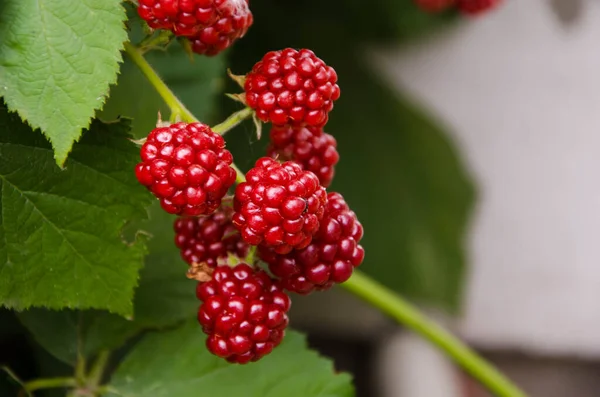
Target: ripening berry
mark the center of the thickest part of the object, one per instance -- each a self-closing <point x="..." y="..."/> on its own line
<point x="279" y="206"/>
<point x="243" y="312"/>
<point x="475" y="7"/>
<point x="209" y="238"/>
<point x="211" y="25"/>
<point x="313" y="149"/>
<point x="331" y="257"/>
<point x="292" y="87"/>
<point x="187" y="167"/>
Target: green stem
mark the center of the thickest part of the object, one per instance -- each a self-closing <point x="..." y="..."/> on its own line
<point x="97" y="371"/>
<point x="359" y="284"/>
<point x="80" y="365"/>
<point x="232" y="121"/>
<point x="49" y="383"/>
<point x="178" y="110"/>
<point x="403" y="312"/>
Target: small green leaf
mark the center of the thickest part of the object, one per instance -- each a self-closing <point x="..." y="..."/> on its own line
<point x="177" y="363"/>
<point x="57" y="60"/>
<point x="60" y="230"/>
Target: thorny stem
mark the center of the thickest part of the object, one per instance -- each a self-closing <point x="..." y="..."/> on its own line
<point x="359" y="284"/>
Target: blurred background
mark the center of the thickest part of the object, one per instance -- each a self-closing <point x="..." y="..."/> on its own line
<point x="468" y="150"/>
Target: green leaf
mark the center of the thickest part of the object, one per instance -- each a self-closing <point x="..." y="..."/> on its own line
<point x="177" y="363"/>
<point x="196" y="83"/>
<point x="60" y="230"/>
<point x="164" y="297"/>
<point x="57" y="60"/>
<point x="63" y="333"/>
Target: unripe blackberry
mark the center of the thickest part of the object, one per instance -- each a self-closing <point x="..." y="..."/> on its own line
<point x="190" y="17"/>
<point x="330" y="258"/>
<point x="279" y="206"/>
<point x="313" y="149"/>
<point x="187" y="167"/>
<point x="243" y="312"/>
<point x="209" y="238"/>
<point x="292" y="87"/>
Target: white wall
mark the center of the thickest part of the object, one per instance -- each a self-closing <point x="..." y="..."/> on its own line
<point x="521" y="95"/>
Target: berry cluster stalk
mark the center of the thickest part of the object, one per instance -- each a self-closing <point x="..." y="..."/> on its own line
<point x="360" y="284"/>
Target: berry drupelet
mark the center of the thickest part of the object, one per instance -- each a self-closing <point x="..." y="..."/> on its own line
<point x="243" y="312"/>
<point x="292" y="87"/>
<point x="208" y="239"/>
<point x="279" y="206"/>
<point x="330" y="258"/>
<point x="313" y="149"/>
<point x="187" y="167"/>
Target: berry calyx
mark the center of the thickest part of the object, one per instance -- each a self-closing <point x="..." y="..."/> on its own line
<point x="475" y="7"/>
<point x="208" y="239"/>
<point x="243" y="312"/>
<point x="279" y="206"/>
<point x="313" y="149"/>
<point x="331" y="257"/>
<point x="189" y="17"/>
<point x="187" y="167"/>
<point x="292" y="87"/>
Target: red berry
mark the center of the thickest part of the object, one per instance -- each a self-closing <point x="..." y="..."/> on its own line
<point x="474" y="7"/>
<point x="189" y="18"/>
<point x="243" y="312"/>
<point x="292" y="87"/>
<point x="219" y="36"/>
<point x="310" y="147"/>
<point x="279" y="206"/>
<point x="209" y="238"/>
<point x="330" y="258"/>
<point x="187" y="167"/>
<point x="434" y="5"/>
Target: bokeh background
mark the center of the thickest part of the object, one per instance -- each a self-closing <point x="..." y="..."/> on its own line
<point x="469" y="152"/>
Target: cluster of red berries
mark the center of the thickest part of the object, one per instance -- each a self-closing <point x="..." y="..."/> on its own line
<point x="211" y="26"/>
<point x="469" y="7"/>
<point x="307" y="239"/>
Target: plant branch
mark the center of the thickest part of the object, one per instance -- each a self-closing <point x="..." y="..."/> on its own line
<point x="178" y="110"/>
<point x="403" y="312"/>
<point x="232" y="121"/>
<point x="49" y="383"/>
<point x="80" y="365"/>
<point x="95" y="376"/>
<point x="359" y="284"/>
